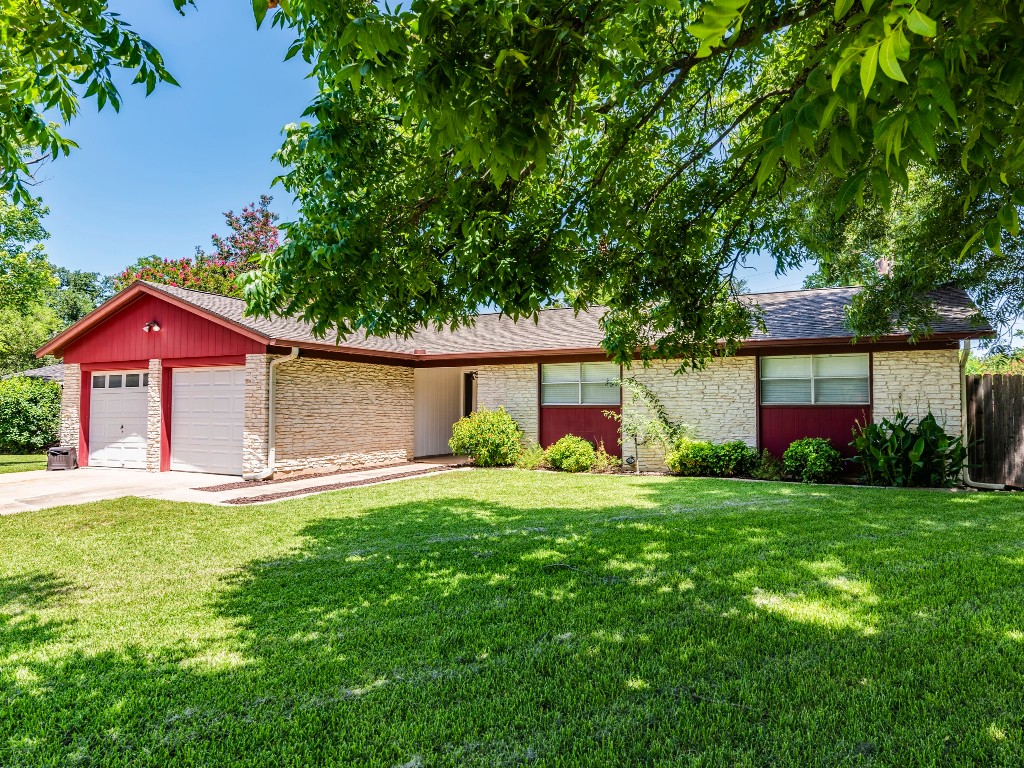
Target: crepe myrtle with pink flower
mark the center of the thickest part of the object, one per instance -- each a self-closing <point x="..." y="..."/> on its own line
<point x="251" y="233"/>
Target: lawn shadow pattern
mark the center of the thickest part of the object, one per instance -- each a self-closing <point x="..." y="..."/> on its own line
<point x="701" y="624"/>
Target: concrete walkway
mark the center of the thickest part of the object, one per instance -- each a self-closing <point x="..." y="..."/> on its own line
<point x="26" y="491"/>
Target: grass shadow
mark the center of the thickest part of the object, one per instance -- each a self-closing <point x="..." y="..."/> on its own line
<point x="658" y="623"/>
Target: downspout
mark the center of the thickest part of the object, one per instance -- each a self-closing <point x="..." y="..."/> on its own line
<point x="272" y="416"/>
<point x="966" y="477"/>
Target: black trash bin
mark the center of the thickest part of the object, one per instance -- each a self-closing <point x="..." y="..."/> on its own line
<point x="61" y="457"/>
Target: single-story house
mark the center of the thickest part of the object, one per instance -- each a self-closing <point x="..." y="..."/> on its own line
<point x="163" y="378"/>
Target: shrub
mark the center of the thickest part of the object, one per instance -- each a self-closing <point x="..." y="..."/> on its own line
<point x="767" y="466"/>
<point x="698" y="458"/>
<point x="896" y="452"/>
<point x="571" y="454"/>
<point x="732" y="459"/>
<point x="490" y="438"/>
<point x="692" y="458"/>
<point x="812" y="460"/>
<point x="531" y="458"/>
<point x="604" y="461"/>
<point x="29" y="414"/>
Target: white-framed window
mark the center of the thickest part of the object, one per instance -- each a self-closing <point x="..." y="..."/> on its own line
<point x="816" y="379"/>
<point x="580" y="384"/>
<point x="120" y="380"/>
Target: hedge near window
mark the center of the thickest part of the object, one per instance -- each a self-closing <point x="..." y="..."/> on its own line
<point x="29" y="414"/>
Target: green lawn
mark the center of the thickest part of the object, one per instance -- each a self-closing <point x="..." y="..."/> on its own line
<point x="21" y="462"/>
<point x="507" y="617"/>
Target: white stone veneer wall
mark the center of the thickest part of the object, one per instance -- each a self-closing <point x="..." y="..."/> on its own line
<point x="918" y="381"/>
<point x="256" y="420"/>
<point x="719" y="402"/>
<point x="334" y="414"/>
<point x="70" y="405"/>
<point x="154" y="393"/>
<point x="515" y="388"/>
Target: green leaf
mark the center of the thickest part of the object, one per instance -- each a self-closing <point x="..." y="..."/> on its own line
<point x="887" y="59"/>
<point x="842" y="8"/>
<point x="844" y="64"/>
<point x="868" y="66"/>
<point x="259" y="11"/>
<point x="921" y="24"/>
<point x="1009" y="218"/>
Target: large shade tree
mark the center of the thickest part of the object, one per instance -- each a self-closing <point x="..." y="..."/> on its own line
<point x="629" y="153"/>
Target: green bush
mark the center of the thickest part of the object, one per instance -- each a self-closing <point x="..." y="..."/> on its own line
<point x="896" y="452"/>
<point x="732" y="459"/>
<point x="29" y="414"/>
<point x="490" y="438"/>
<point x="692" y="458"/>
<point x="698" y="458"/>
<point x="812" y="460"/>
<point x="531" y="458"/>
<point x="571" y="454"/>
<point x="767" y="466"/>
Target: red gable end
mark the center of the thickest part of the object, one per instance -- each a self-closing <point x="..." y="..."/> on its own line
<point x="182" y="334"/>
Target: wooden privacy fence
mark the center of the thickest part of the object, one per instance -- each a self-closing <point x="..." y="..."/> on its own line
<point x="995" y="428"/>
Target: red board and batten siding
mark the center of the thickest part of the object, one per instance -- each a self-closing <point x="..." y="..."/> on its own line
<point x="586" y="421"/>
<point x="780" y="425"/>
<point x="182" y="334"/>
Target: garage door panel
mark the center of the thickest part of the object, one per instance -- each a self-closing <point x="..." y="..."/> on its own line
<point x="207" y="415"/>
<point x="117" y="420"/>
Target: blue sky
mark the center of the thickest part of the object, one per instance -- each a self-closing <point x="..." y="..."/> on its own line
<point x="156" y="177"/>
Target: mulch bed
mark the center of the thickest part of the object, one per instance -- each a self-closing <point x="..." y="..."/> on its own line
<point x="339" y="486"/>
<point x="235" y="485"/>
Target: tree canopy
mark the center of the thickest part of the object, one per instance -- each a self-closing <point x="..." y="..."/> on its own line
<point x="633" y="154"/>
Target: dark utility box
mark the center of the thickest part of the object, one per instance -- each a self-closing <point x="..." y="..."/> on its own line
<point x="61" y="458"/>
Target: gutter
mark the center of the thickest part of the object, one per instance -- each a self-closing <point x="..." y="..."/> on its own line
<point x="272" y="417"/>
<point x="966" y="476"/>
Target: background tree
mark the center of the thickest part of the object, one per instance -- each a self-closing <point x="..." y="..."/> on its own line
<point x="250" y="234"/>
<point x="78" y="293"/>
<point x="22" y="332"/>
<point x="52" y="55"/>
<point x="26" y="276"/>
<point x="633" y="153"/>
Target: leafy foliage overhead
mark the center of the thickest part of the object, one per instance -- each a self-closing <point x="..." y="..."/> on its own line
<point x="53" y="55"/>
<point x="633" y="154"/>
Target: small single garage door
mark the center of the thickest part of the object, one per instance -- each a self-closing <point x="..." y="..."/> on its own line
<point x="207" y="412"/>
<point x="117" y="419"/>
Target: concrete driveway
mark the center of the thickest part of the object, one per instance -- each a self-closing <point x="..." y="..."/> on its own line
<point x="24" y="491"/>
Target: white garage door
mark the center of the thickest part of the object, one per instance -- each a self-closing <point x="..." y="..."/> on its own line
<point x="207" y="412"/>
<point x="117" y="419"/>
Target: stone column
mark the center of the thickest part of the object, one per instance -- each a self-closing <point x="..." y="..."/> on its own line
<point x="256" y="429"/>
<point x="154" y="413"/>
<point x="70" y="405"/>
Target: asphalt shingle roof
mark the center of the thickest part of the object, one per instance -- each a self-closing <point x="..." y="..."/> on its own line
<point x="53" y="372"/>
<point x="790" y="316"/>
